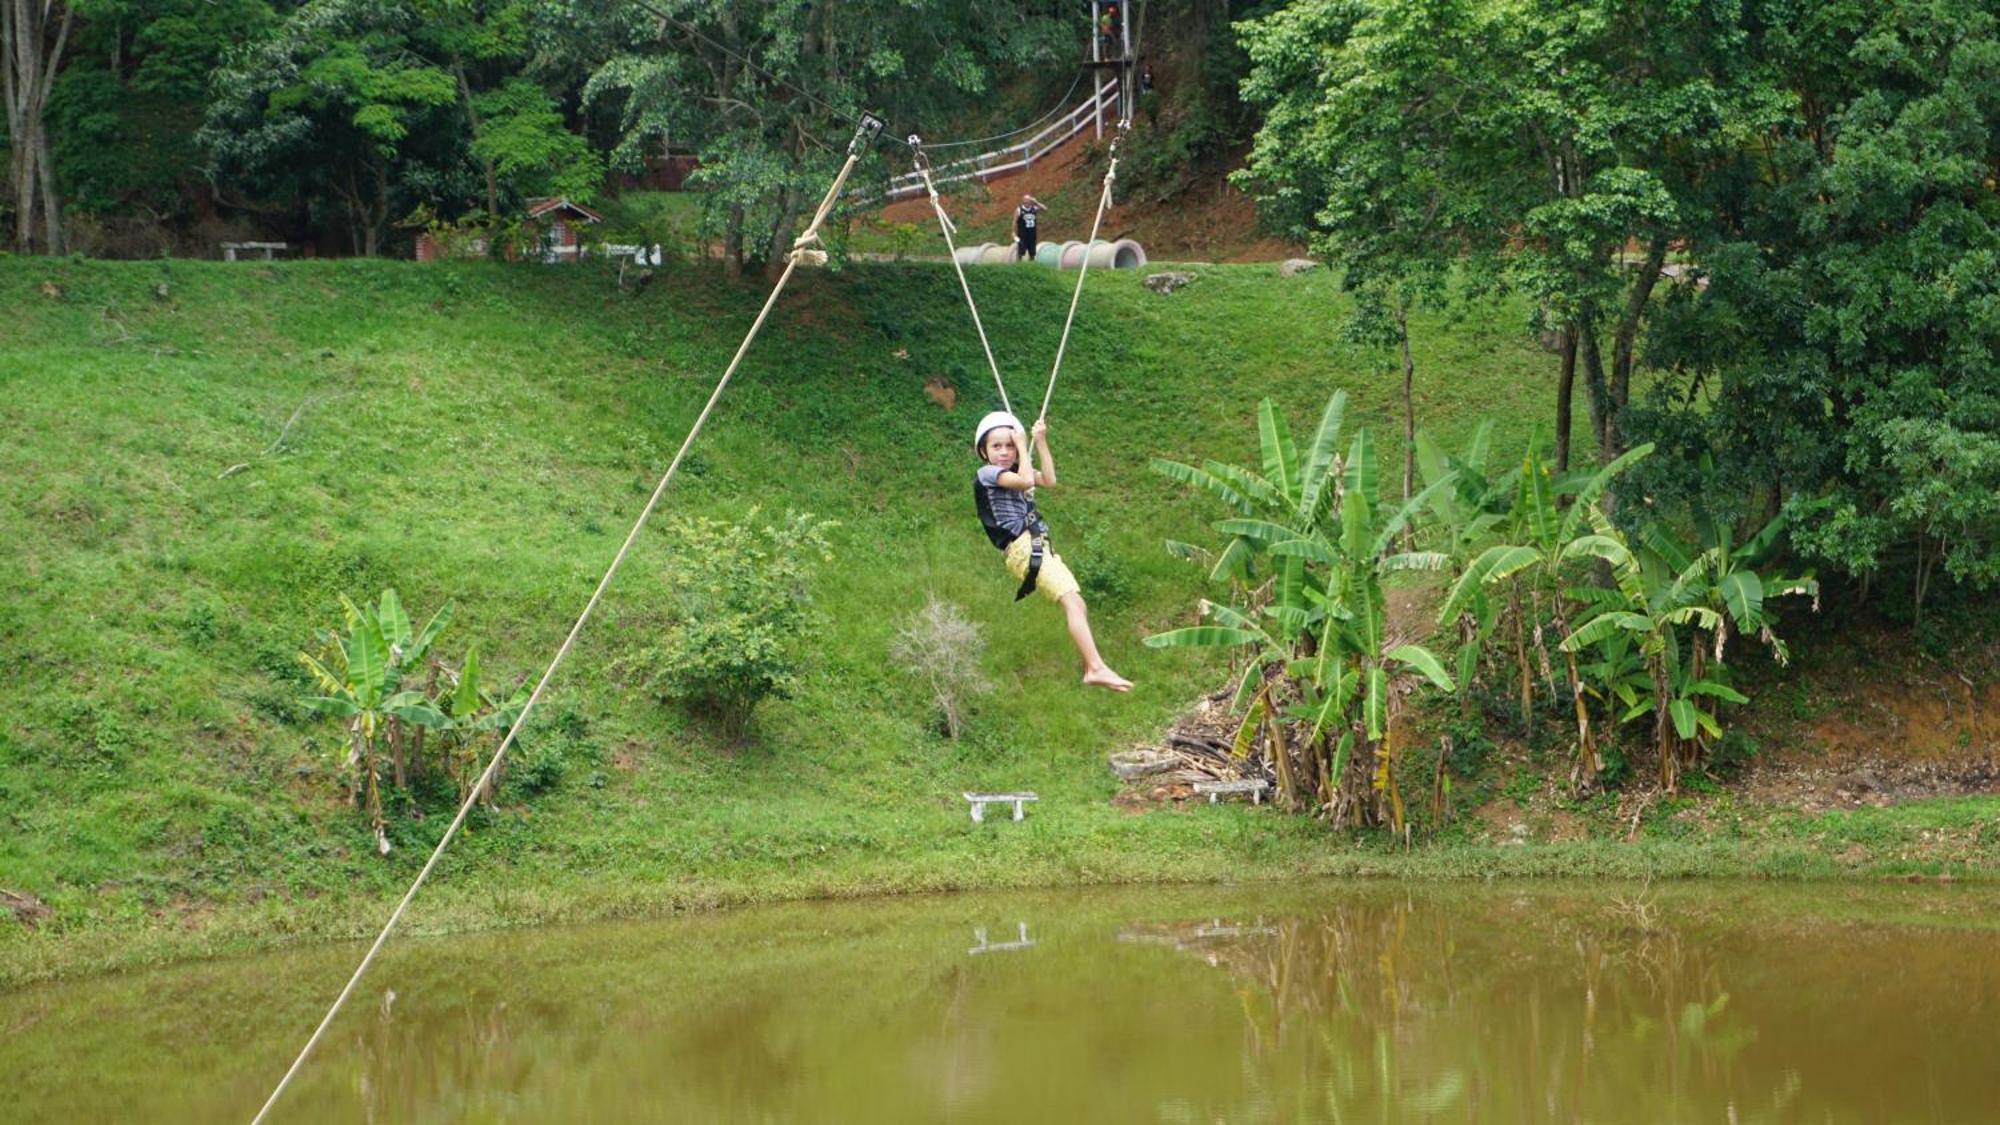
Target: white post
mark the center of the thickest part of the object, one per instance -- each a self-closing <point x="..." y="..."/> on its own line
<point x="1096" y="73"/>
<point x="1127" y="100"/>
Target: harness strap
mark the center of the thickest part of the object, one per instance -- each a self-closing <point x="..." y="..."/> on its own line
<point x="1035" y="548"/>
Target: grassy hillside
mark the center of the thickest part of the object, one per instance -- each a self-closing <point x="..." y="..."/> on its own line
<point x="201" y="458"/>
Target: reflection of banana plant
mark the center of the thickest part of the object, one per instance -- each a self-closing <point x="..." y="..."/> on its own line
<point x="364" y="685"/>
<point x="1321" y="650"/>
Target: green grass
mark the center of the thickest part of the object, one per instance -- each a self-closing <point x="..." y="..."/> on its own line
<point x="486" y="434"/>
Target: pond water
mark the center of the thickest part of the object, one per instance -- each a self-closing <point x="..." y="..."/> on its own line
<point x="1318" y="1002"/>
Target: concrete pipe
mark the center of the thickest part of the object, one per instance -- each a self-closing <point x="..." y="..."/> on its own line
<point x="970" y="255"/>
<point x="995" y="253"/>
<point x="1123" y="254"/>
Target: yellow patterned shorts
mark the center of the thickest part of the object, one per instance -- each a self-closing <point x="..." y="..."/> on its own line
<point x="1054" y="579"/>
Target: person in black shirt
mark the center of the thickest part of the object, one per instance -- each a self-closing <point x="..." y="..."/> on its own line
<point x="1027" y="220"/>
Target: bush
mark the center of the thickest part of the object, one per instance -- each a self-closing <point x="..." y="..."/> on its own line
<point x="739" y="624"/>
<point x="938" y="645"/>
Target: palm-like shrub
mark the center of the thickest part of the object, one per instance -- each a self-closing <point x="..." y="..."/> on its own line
<point x="1307" y="555"/>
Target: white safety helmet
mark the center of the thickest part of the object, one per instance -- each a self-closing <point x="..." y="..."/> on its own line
<point x="994" y="421"/>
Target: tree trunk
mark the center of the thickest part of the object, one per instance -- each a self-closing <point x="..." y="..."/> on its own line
<point x="732" y="242"/>
<point x="781" y="230"/>
<point x="1623" y="342"/>
<point x="472" y="119"/>
<point x="378" y="209"/>
<point x="1663" y="727"/>
<point x="1594" y="383"/>
<point x="1521" y="664"/>
<point x="1565" y="395"/>
<point x="396" y="754"/>
<point x="30" y="55"/>
<point x="52" y="237"/>
<point x="1409" y="403"/>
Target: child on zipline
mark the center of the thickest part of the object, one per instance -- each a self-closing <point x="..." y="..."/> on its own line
<point x="1007" y="511"/>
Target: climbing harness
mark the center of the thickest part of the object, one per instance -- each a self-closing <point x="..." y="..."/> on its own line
<point x="1036" y="547"/>
<point x="804" y="249"/>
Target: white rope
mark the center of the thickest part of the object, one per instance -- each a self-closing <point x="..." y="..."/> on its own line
<point x="949" y="228"/>
<point x="945" y="224"/>
<point x="799" y="251"/>
<point x="1103" y="203"/>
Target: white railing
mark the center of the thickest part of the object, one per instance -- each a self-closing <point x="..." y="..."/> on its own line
<point x="1015" y="156"/>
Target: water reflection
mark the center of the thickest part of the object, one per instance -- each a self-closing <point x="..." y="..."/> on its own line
<point x="981" y="945"/>
<point x="1615" y="1009"/>
<point x="1325" y="1003"/>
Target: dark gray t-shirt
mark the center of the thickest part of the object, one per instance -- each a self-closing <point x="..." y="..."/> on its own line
<point x="1012" y="508"/>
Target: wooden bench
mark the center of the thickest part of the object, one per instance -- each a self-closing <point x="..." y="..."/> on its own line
<point x="981" y="800"/>
<point x="1212" y="789"/>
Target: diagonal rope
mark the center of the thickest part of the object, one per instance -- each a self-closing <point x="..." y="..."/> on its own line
<point x="949" y="228"/>
<point x="800" y="251"/>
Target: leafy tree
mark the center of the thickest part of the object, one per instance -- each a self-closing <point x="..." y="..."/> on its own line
<point x="1547" y="135"/>
<point x="124" y="112"/>
<point x="758" y="89"/>
<point x="1838" y="362"/>
<point x="1336" y="163"/>
<point x="338" y="109"/>
<point x="519" y="135"/>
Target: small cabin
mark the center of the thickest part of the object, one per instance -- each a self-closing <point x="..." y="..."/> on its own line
<point x="561" y="218"/>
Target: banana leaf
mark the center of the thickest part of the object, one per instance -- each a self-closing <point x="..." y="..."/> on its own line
<point x="1281" y="460"/>
<point x="1321" y="458"/>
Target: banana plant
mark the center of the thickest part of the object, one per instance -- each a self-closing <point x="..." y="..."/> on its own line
<point x="361" y="681"/>
<point x="474" y="711"/>
<point x="1319" y="642"/>
<point x="1720" y="575"/>
<point x="1531" y="561"/>
<point x="1649" y="604"/>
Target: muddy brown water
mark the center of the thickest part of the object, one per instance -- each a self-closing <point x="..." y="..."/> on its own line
<point x="1324" y="1002"/>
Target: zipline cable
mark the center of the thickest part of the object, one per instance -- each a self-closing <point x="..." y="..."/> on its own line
<point x="1060" y="105"/>
<point x="801" y="250"/>
<point x="1083" y="269"/>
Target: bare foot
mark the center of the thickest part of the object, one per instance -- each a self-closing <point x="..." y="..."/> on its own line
<point x="1106" y="678"/>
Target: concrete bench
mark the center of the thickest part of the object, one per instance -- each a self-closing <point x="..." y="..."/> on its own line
<point x="981" y="800"/>
<point x="1213" y="789"/>
<point x="270" y="249"/>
